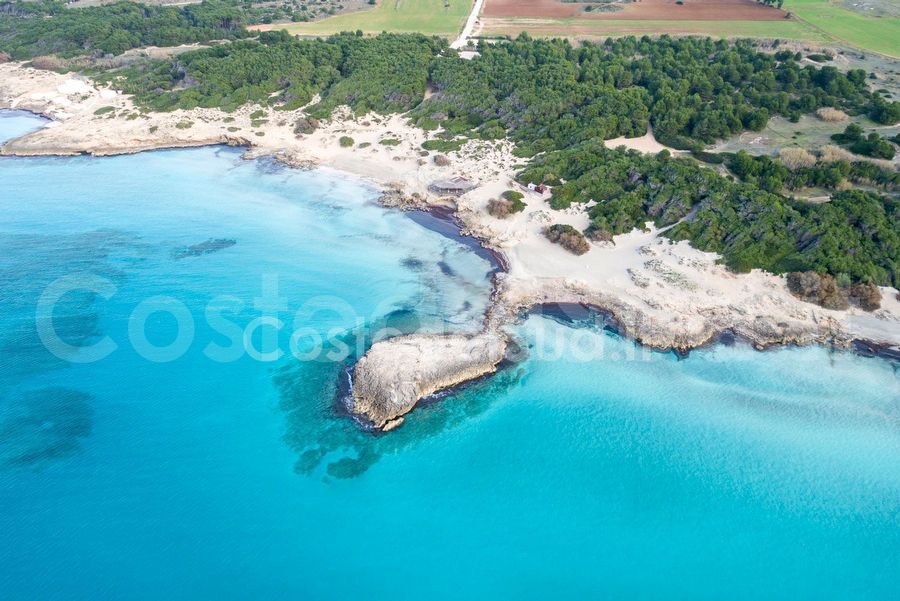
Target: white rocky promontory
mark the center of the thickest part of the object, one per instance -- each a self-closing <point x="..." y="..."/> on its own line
<point x="395" y="374"/>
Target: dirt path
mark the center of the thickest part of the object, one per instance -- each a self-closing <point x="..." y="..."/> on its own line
<point x="466" y="33"/>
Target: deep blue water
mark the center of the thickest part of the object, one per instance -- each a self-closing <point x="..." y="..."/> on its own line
<point x="730" y="474"/>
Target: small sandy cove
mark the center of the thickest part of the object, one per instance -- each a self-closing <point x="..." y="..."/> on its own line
<point x="663" y="294"/>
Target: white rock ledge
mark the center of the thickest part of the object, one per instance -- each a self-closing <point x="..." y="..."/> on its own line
<point x="396" y="373"/>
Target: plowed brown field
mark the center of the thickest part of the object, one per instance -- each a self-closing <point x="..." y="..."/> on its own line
<point x="650" y="10"/>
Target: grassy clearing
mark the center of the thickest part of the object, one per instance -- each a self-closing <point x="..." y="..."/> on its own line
<point x="584" y="28"/>
<point x="810" y="133"/>
<point x="843" y="25"/>
<point x="431" y="17"/>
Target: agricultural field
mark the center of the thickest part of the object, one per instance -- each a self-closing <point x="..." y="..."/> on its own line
<point x="601" y="28"/>
<point x="851" y="23"/>
<point x="874" y="8"/>
<point x="431" y="17"/>
<point x="646" y="10"/>
<point x="865" y="24"/>
<point x="719" y="18"/>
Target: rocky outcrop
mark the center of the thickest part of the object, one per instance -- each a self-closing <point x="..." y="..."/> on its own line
<point x="34" y="145"/>
<point x="680" y="335"/>
<point x="396" y="373"/>
<point x="285" y="157"/>
<point x="396" y="197"/>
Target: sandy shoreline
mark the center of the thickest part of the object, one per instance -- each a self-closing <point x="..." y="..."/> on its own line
<point x="664" y="295"/>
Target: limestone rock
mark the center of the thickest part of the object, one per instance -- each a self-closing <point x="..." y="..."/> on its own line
<point x="396" y="373"/>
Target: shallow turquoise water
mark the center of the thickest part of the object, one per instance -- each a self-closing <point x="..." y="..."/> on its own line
<point x="730" y="474"/>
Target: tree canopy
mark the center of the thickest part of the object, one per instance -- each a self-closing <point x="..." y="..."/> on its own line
<point x="857" y="233"/>
<point x="30" y="29"/>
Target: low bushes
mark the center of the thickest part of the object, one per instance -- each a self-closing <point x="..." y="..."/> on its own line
<point x="872" y="145"/>
<point x="866" y="295"/>
<point x="443" y="145"/>
<point x="818" y="289"/>
<point x="510" y="202"/>
<point x="568" y="237"/>
<point x="499" y="208"/>
<point x="306" y="125"/>
<point x="796" y="158"/>
<point x="831" y="115"/>
<point x="515" y="199"/>
<point x="827" y="292"/>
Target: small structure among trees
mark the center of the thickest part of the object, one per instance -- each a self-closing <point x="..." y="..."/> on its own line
<point x="457" y="186"/>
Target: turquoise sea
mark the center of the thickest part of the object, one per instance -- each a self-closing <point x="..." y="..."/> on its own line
<point x="180" y="466"/>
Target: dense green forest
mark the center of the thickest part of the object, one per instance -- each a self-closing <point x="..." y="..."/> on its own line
<point x="387" y="73"/>
<point x="549" y="94"/>
<point x="544" y="94"/>
<point x="857" y="233"/>
<point x="773" y="176"/>
<point x="30" y="29"/>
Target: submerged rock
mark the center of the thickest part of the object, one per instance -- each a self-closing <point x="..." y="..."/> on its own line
<point x="203" y="248"/>
<point x="395" y="374"/>
<point x="44" y="425"/>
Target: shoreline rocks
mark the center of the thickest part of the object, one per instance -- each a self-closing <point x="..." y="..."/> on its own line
<point x="395" y="374"/>
<point x="632" y="322"/>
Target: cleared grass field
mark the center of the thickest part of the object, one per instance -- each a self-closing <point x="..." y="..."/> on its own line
<point x="844" y="25"/>
<point x="809" y="133"/>
<point x="819" y="21"/>
<point x="431" y="17"/>
<point x="584" y="28"/>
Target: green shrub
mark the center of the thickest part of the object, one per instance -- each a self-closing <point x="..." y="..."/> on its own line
<point x="517" y="205"/>
<point x="443" y="145"/>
